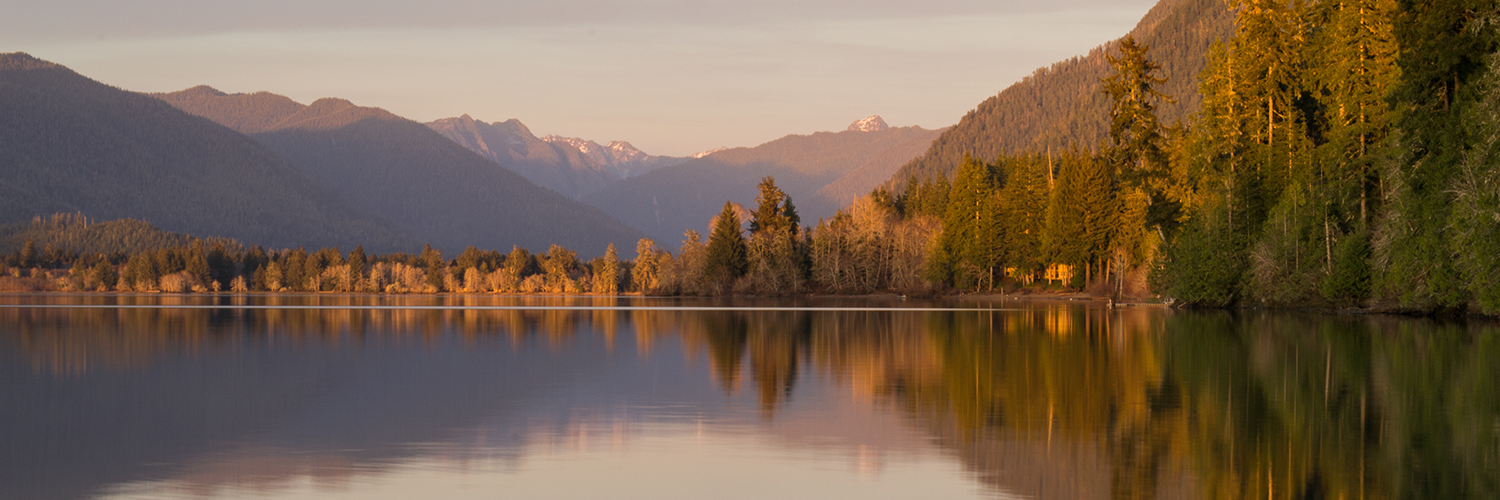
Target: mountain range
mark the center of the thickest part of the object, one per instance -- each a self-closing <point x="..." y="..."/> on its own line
<point x="403" y="171"/>
<point x="69" y="144"/>
<point x="571" y="166"/>
<point x="821" y="172"/>
<point x="265" y="169"/>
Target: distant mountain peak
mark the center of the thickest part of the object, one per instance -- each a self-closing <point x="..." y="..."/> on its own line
<point x="202" y="91"/>
<point x="871" y="124"/>
<point x="624" y="152"/>
<point x="701" y="154"/>
<point x="584" y="146"/>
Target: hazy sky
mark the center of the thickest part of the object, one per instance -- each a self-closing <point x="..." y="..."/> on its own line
<point x="670" y="76"/>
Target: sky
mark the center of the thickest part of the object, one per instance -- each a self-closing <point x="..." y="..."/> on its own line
<point x="673" y="77"/>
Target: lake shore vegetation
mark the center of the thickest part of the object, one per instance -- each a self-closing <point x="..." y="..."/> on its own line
<point x="1346" y="155"/>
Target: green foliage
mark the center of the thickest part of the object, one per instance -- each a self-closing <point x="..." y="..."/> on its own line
<point x="1024" y="204"/>
<point x="929" y="197"/>
<point x="776" y="257"/>
<point x="971" y="242"/>
<point x="358" y="262"/>
<point x="1474" y="218"/>
<point x="1438" y="155"/>
<point x="1205" y="265"/>
<point x="1349" y="282"/>
<point x="433" y="266"/>
<point x="1136" y="135"/>
<point x="1081" y="213"/>
<point x="727" y="257"/>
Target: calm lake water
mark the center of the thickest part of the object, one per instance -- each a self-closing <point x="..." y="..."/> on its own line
<point x="133" y="397"/>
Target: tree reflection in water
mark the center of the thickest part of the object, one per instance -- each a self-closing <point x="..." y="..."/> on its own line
<point x="1042" y="399"/>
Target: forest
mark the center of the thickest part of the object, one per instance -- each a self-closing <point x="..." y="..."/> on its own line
<point x="1344" y="155"/>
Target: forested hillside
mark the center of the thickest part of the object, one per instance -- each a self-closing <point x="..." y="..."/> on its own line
<point x="1061" y="106"/>
<point x="69" y="144"/>
<point x="75" y="233"/>
<point x="404" y="171"/>
<point x="1344" y="154"/>
<point x="670" y="200"/>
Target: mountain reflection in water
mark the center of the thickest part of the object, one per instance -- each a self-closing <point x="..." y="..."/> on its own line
<point x="357" y="397"/>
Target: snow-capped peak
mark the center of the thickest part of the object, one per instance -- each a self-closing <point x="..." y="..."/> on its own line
<point x="701" y="154"/>
<point x="871" y="124"/>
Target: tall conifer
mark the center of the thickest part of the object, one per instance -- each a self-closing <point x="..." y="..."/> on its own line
<point x="727" y="257"/>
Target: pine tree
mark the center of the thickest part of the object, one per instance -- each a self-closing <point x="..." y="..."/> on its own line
<point x="970" y="245"/>
<point x="727" y="257"/>
<point x="1026" y="196"/>
<point x="607" y="275"/>
<point x="769" y="211"/>
<point x="293" y="268"/>
<point x="28" y="257"/>
<point x="357" y="265"/>
<point x="1082" y="212"/>
<point x="647" y="270"/>
<point x="431" y="261"/>
<point x="197" y="264"/>
<point x="1444" y="51"/>
<point x="1135" y="133"/>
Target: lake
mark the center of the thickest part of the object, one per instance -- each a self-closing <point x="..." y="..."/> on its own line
<point x="323" y="396"/>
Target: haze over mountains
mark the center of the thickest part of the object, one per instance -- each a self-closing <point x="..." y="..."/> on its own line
<point x="69" y="144"/>
<point x="571" y="166"/>
<point x="404" y="171"/>
<point x="1062" y="105"/>
<point x="821" y="172"/>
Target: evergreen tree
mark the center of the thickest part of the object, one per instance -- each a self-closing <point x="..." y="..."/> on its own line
<point x="647" y="271"/>
<point x="1356" y="68"/>
<point x="1445" y="49"/>
<point x="252" y="262"/>
<point x="560" y="266"/>
<point x="1082" y="213"/>
<point x="1025" y="198"/>
<point x="727" y="257"/>
<point x="769" y="211"/>
<point x="357" y="264"/>
<point x="28" y="257"/>
<point x="432" y="264"/>
<point x="220" y="264"/>
<point x="970" y="244"/>
<point x="607" y="275"/>
<point x="1136" y="136"/>
<point x="293" y="268"/>
<point x="196" y="264"/>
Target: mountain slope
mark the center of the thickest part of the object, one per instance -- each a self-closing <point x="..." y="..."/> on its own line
<point x="1062" y="105"/>
<point x="404" y="171"/>
<point x="571" y="166"/>
<point x="69" y="144"/>
<point x="670" y="200"/>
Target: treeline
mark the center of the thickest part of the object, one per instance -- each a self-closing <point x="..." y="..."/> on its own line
<point x="214" y="266"/>
<point x="866" y="248"/>
<point x="1345" y="155"/>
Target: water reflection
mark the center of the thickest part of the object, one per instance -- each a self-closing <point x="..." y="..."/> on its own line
<point x="1041" y="399"/>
